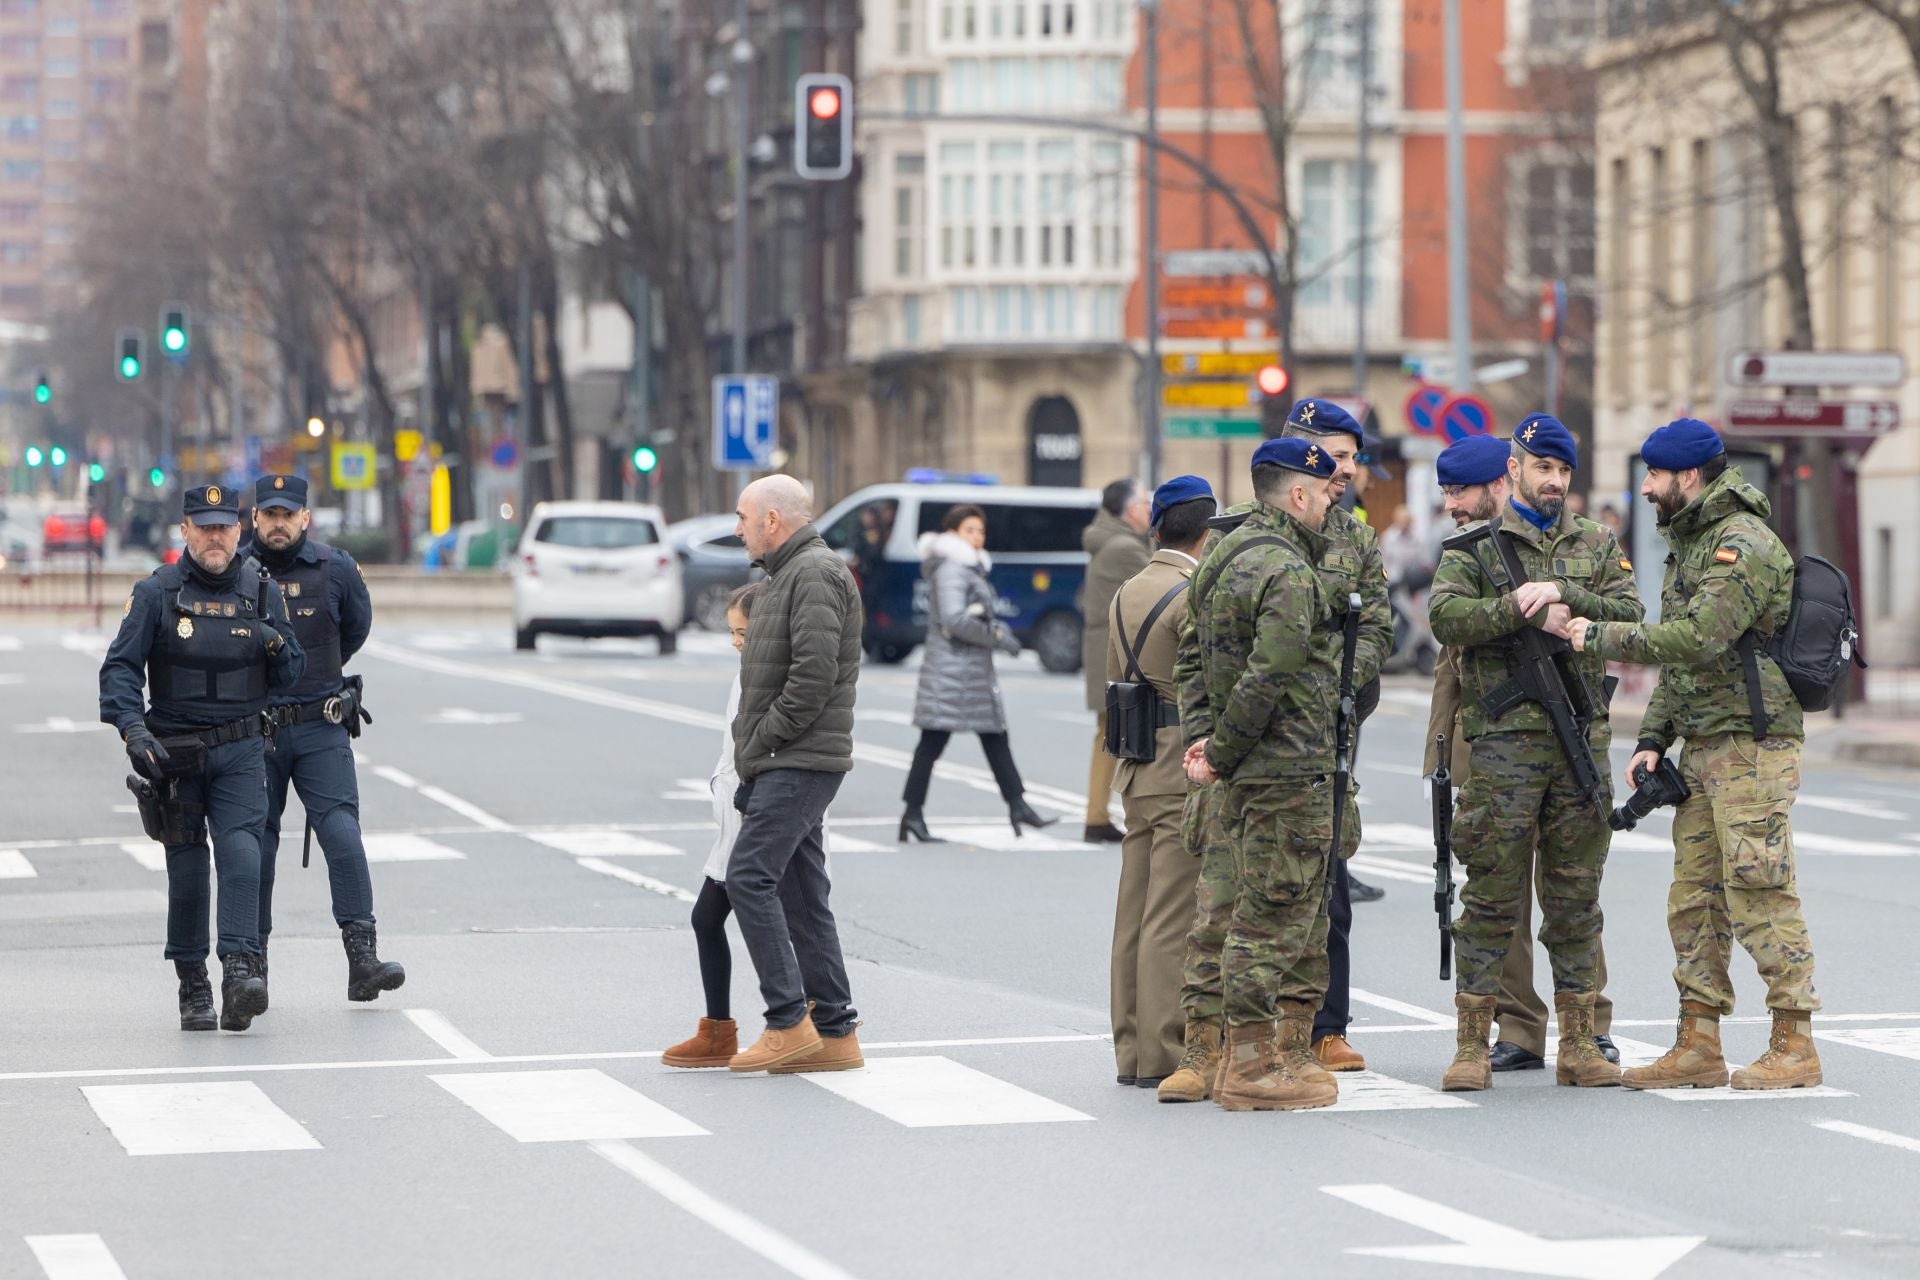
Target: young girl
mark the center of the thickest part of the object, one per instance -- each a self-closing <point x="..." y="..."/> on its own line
<point x="718" y="1038"/>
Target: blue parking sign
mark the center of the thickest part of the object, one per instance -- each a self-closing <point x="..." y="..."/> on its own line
<point x="746" y="416"/>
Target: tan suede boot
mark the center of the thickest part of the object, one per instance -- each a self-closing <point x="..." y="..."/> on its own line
<point x="1257" y="1080"/>
<point x="1694" y="1062"/>
<point x="777" y="1045"/>
<point x="1336" y="1055"/>
<point x="1296" y="1046"/>
<point x="1472" y="1066"/>
<point x="1192" y="1080"/>
<point x="1580" y="1061"/>
<point x="836" y="1053"/>
<point x="1790" y="1061"/>
<point x="713" y="1045"/>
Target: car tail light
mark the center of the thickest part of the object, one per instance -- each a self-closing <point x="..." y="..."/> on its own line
<point x="531" y="565"/>
<point x="55" y="528"/>
<point x="665" y="561"/>
<point x="97" y="529"/>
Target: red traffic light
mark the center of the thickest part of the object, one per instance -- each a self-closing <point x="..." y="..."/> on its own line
<point x="1272" y="380"/>
<point x="824" y="102"/>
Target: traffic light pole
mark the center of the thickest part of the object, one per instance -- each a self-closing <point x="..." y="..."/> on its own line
<point x="172" y="469"/>
<point x="742" y="142"/>
<point x="1150" y="173"/>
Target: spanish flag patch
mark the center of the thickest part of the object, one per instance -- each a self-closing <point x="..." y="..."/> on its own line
<point x="1727" y="555"/>
<point x="1626" y="564"/>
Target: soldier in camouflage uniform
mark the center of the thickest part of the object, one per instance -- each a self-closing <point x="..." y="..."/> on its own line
<point x="1258" y="696"/>
<point x="1518" y="794"/>
<point x="1733" y="875"/>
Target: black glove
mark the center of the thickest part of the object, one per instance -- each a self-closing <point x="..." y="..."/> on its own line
<point x="146" y="753"/>
<point x="742" y="795"/>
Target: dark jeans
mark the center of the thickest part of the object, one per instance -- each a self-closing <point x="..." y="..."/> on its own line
<point x="317" y="758"/>
<point x="999" y="758"/>
<point x="233" y="790"/>
<point x="777" y="882"/>
<point x="1336" y="1010"/>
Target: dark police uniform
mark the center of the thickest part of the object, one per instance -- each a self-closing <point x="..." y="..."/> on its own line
<point x="312" y="749"/>
<point x="208" y="649"/>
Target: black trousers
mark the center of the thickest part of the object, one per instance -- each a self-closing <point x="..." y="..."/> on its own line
<point x="999" y="757"/>
<point x="1336" y="1011"/>
<point x="317" y="759"/>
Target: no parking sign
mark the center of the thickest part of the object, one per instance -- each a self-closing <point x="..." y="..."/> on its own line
<point x="1423" y="409"/>
<point x="1464" y="416"/>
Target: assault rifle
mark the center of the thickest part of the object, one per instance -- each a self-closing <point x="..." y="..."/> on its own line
<point x="1343" y="722"/>
<point x="1443" y="857"/>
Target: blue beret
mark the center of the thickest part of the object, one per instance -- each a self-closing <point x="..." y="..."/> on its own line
<point x="1681" y="445"/>
<point x="289" y="492"/>
<point x="1178" y="490"/>
<point x="1544" y="436"/>
<point x="1295" y="454"/>
<point x="1475" y="460"/>
<point x="1325" y="418"/>
<point x="211" y="504"/>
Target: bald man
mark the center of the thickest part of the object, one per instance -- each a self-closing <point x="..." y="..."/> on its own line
<point x="793" y="746"/>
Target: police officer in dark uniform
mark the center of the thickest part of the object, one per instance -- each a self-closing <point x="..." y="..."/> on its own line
<point x="208" y="639"/>
<point x="317" y="719"/>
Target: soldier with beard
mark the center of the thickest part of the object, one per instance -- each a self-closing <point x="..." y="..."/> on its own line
<point x="1519" y="795"/>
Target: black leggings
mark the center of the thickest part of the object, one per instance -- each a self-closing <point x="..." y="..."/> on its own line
<point x="710" y="912"/>
<point x="999" y="756"/>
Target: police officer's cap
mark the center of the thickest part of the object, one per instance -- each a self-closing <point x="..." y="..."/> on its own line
<point x="1180" y="489"/>
<point x="1475" y="460"/>
<point x="1544" y="436"/>
<point x="289" y="493"/>
<point x="1325" y="418"/>
<point x="1681" y="445"/>
<point x="1295" y="454"/>
<point x="212" y="504"/>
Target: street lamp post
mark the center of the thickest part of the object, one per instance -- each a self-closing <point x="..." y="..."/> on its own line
<point x="1458" y="316"/>
<point x="1150" y="174"/>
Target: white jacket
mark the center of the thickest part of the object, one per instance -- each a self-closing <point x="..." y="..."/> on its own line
<point x="724" y="782"/>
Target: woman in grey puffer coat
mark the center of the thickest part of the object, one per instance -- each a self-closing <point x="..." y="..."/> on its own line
<point x="958" y="692"/>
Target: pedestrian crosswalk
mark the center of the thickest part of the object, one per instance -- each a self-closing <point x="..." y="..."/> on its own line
<point x="198" y="1118"/>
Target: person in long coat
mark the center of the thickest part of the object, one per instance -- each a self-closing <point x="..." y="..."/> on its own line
<point x="958" y="692"/>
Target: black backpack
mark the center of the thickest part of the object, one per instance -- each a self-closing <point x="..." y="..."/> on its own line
<point x="1815" y="647"/>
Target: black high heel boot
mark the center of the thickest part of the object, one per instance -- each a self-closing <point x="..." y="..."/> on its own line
<point x="1021" y="814"/>
<point x="915" y="825"/>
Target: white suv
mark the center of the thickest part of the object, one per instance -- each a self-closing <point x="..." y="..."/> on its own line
<point x="596" y="569"/>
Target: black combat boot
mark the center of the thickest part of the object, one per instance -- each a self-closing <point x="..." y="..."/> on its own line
<point x="367" y="974"/>
<point x="243" y="992"/>
<point x="196" y="996"/>
<point x="260" y="970"/>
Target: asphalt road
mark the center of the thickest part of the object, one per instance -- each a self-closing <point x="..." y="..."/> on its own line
<point x="538" y="824"/>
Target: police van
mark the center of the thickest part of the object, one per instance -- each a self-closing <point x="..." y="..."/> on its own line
<point x="1033" y="535"/>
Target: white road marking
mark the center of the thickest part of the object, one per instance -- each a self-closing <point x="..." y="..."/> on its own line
<point x="1855" y="808"/>
<point x="15" y="678"/>
<point x="1901" y="1042"/>
<point x="42" y="907"/>
<point x="1810" y="842"/>
<point x="461" y="715"/>
<point x="75" y="1258"/>
<point x="1727" y="1093"/>
<point x="837" y="843"/>
<point x="196" y="1119"/>
<point x="602" y="844"/>
<point x="1881" y="1136"/>
<point x="84" y="642"/>
<point x="1400" y="770"/>
<point x="635" y="879"/>
<point x="1394" y="869"/>
<point x="446" y="799"/>
<point x="1371" y="1091"/>
<point x="9" y="644"/>
<point x="148" y="854"/>
<point x="60" y="724"/>
<point x="1402" y="1008"/>
<point x="1478" y="1242"/>
<point x="435" y="1026"/>
<point x="400" y="848"/>
<point x="999" y="837"/>
<point x="937" y="1092"/>
<point x="789" y="1255"/>
<point x="565" y="1106"/>
<point x="884" y="716"/>
<point x="14" y="866"/>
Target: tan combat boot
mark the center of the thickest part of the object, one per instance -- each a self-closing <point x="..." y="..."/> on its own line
<point x="1790" y="1061"/>
<point x="1580" y="1061"/>
<point x="1192" y="1080"/>
<point x="1472" y="1067"/>
<point x="1336" y="1055"/>
<point x="1255" y="1079"/>
<point x="1296" y="1046"/>
<point x="1694" y="1062"/>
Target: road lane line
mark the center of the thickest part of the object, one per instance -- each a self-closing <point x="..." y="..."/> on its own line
<point x="579" y="1105"/>
<point x="782" y="1251"/>
<point x="1870" y="1134"/>
<point x="406" y="848"/>
<point x="1901" y="1042"/>
<point x="1402" y="1008"/>
<point x="446" y="799"/>
<point x="602" y="844"/>
<point x="435" y="1026"/>
<point x="1371" y="1091"/>
<point x="934" y="1092"/>
<point x="14" y="866"/>
<point x="148" y="854"/>
<point x="83" y="1257"/>
<point x="196" y="1119"/>
<point x="1853" y="808"/>
<point x="635" y="879"/>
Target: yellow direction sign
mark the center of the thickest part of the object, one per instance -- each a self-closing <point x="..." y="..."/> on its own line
<point x="1216" y="364"/>
<point x="406" y="445"/>
<point x="440" y="501"/>
<point x="352" y="466"/>
<point x="1206" y="395"/>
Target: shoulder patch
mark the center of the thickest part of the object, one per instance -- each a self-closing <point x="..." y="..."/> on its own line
<point x="129" y="607"/>
<point x="1727" y="555"/>
<point x="1626" y="564"/>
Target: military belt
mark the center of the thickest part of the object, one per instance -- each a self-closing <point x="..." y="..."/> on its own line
<point x="232" y="731"/>
<point x="301" y="712"/>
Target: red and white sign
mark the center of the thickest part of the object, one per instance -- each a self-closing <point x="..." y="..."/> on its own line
<point x="1812" y="417"/>
<point x="1816" y="369"/>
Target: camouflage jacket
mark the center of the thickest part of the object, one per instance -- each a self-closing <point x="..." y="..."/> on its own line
<point x="1468" y="611"/>
<point x="1727" y="571"/>
<point x="1258" y="670"/>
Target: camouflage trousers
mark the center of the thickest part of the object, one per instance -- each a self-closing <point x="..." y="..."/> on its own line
<point x="1210" y="834"/>
<point x="1518" y="797"/>
<point x="1733" y="876"/>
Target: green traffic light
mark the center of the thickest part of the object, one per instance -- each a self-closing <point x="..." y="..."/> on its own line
<point x="58" y="457"/>
<point x="95" y="472"/>
<point x="157" y="477"/>
<point x="129" y="367"/>
<point x="42" y="393"/>
<point x="34" y="456"/>
<point x="645" y="459"/>
<point x="174" y="340"/>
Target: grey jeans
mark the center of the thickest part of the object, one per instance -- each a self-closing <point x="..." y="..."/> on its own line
<point x="777" y="881"/>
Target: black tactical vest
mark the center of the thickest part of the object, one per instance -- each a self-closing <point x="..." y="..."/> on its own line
<point x="306" y="583"/>
<point x="208" y="663"/>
